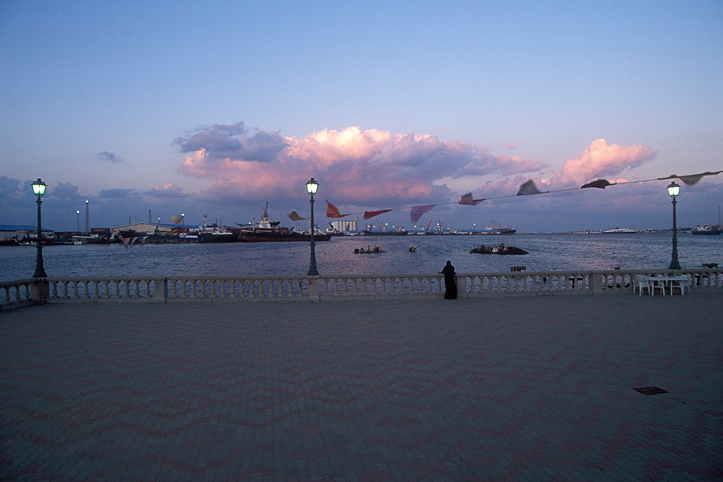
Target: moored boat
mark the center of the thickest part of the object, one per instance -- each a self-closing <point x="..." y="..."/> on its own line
<point x="268" y="231"/>
<point x="707" y="230"/>
<point x="215" y="234"/>
<point x="496" y="228"/>
<point x="621" y="231"/>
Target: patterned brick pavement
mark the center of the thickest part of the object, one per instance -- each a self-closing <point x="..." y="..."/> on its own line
<point x="476" y="389"/>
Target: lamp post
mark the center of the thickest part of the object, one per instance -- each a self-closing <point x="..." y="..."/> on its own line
<point x="311" y="187"/>
<point x="87" y="218"/>
<point x="674" y="190"/>
<point x="39" y="190"/>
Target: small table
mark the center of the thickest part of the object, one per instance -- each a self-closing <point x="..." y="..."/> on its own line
<point x="668" y="281"/>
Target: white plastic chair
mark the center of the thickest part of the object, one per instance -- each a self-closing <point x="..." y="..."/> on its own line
<point x="682" y="284"/>
<point x="641" y="282"/>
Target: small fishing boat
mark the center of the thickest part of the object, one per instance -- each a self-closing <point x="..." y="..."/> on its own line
<point x="375" y="250"/>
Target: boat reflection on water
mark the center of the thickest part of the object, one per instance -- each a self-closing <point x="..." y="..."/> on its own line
<point x="280" y="235"/>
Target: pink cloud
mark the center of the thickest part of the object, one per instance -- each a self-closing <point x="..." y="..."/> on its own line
<point x="169" y="190"/>
<point x="601" y="160"/>
<point x="353" y="166"/>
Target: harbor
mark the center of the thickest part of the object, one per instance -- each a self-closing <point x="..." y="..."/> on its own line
<point x="547" y="252"/>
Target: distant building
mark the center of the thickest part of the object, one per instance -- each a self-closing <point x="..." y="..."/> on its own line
<point x="18" y="232"/>
<point x="145" y="228"/>
<point x="346" y="225"/>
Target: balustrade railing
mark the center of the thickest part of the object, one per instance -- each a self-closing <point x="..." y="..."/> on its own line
<point x="16" y="293"/>
<point x="312" y="288"/>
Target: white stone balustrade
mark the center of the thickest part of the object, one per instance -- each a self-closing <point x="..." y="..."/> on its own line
<point x="334" y="287"/>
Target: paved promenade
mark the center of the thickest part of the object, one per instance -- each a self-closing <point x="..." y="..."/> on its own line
<point x="538" y="388"/>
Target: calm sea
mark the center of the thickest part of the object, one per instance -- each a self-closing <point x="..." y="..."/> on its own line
<point x="547" y="252"/>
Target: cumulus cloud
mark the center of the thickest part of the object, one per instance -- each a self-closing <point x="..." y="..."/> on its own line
<point x="170" y="190"/>
<point x="13" y="192"/>
<point x="65" y="190"/>
<point x="234" y="142"/>
<point x="116" y="193"/>
<point x="354" y="166"/>
<point x="109" y="157"/>
<point x="601" y="160"/>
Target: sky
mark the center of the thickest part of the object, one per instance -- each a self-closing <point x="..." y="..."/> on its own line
<point x="151" y="109"/>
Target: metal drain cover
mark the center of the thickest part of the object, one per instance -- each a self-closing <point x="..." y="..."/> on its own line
<point x="650" y="390"/>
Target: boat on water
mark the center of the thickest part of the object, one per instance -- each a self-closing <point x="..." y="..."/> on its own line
<point x="221" y="235"/>
<point x="212" y="233"/>
<point x="707" y="230"/>
<point x="375" y="250"/>
<point x="621" y="231"/>
<point x="269" y="231"/>
<point x="496" y="228"/>
<point x="500" y="249"/>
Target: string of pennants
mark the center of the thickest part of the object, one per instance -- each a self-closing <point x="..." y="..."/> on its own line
<point x="526" y="189"/>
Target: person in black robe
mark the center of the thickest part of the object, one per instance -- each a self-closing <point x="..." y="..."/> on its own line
<point x="450" y="282"/>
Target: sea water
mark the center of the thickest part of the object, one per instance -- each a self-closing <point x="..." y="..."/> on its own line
<point x="547" y="252"/>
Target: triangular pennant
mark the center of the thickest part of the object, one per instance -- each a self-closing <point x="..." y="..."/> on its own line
<point x="332" y="211"/>
<point x="294" y="216"/>
<point x="598" y="183"/>
<point x="467" y="200"/>
<point x="528" y="188"/>
<point x="371" y="214"/>
<point x="694" y="178"/>
<point x="417" y="212"/>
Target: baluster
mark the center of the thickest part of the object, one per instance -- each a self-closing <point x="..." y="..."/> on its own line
<point x="252" y="288"/>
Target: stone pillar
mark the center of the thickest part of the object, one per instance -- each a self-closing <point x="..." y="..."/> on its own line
<point x="40" y="291"/>
<point x="313" y="288"/>
<point x="161" y="290"/>
<point x="597" y="283"/>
